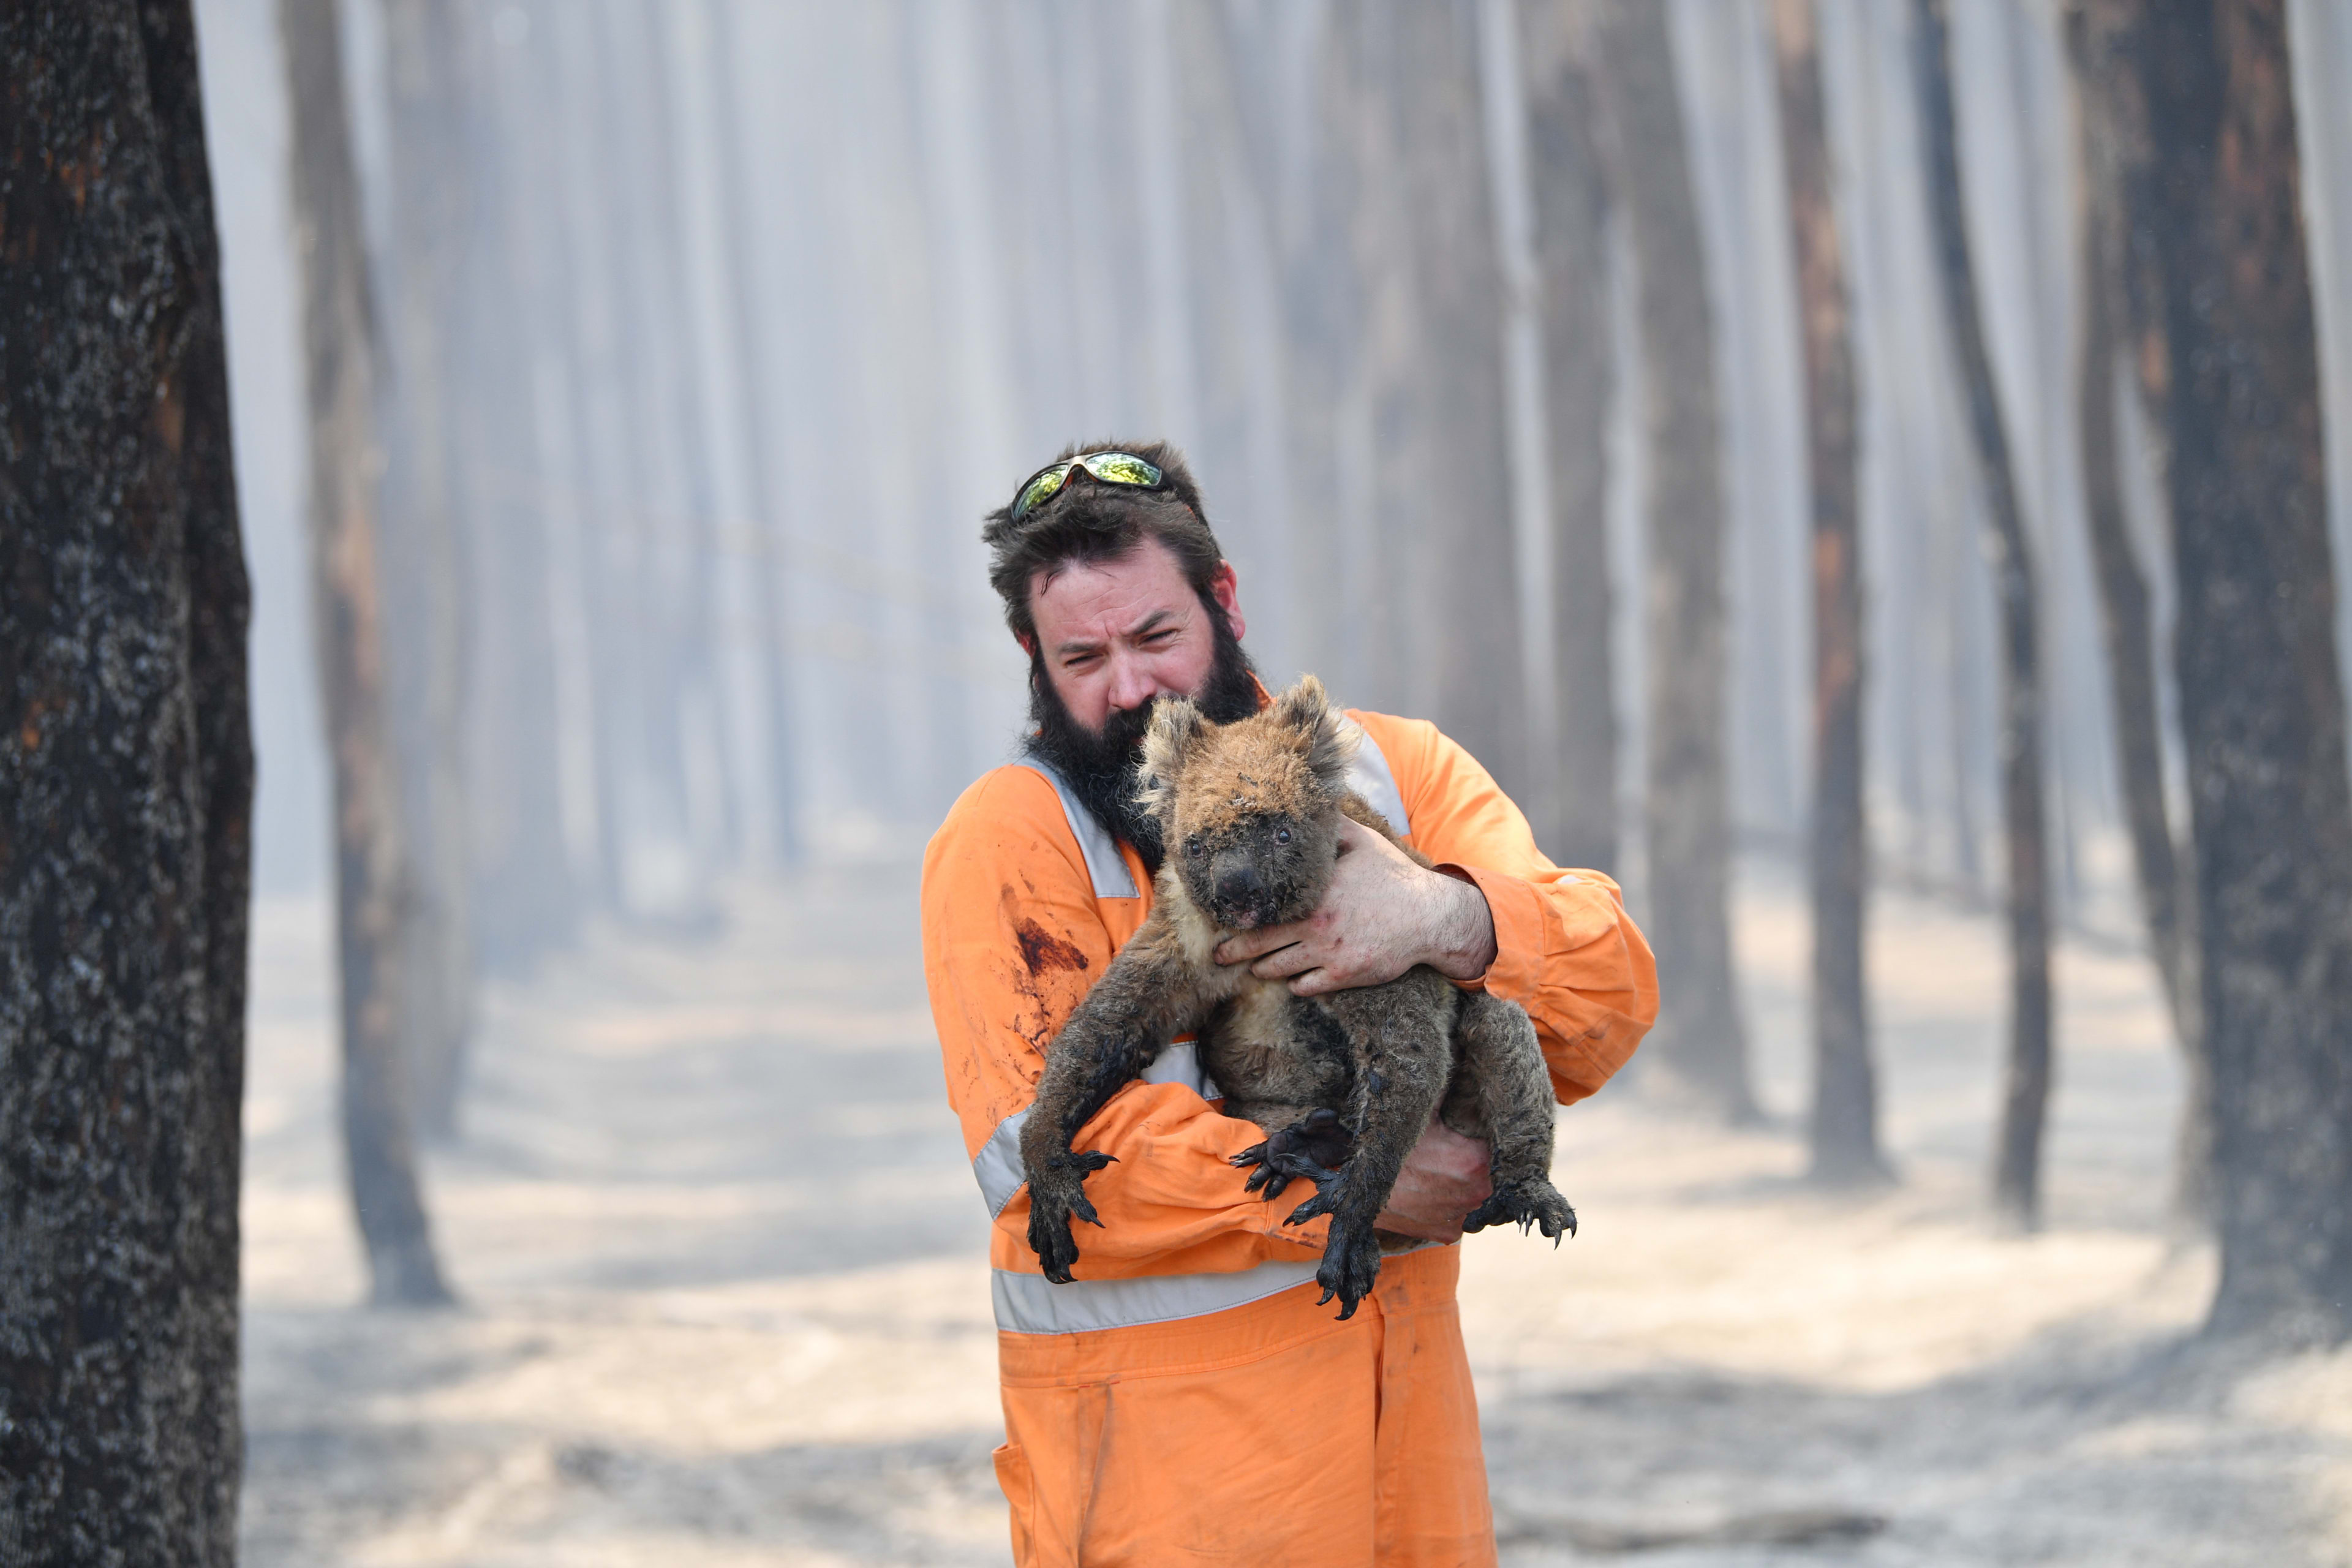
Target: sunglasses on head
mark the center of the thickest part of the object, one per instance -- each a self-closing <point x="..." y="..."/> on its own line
<point x="1110" y="468"/>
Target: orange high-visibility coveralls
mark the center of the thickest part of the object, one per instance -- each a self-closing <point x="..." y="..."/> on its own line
<point x="1185" y="1399"/>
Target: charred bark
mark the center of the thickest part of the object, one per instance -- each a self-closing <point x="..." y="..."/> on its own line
<point x="1699" y="1048"/>
<point x="126" y="778"/>
<point x="1571" y="211"/>
<point x="428" y="632"/>
<point x="373" y="880"/>
<point x="1845" y="1089"/>
<point x="2119" y="320"/>
<point x="2262" y="696"/>
<point x="2026" y="1093"/>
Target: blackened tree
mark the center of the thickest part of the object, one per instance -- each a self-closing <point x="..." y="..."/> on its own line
<point x="126" y="780"/>
<point x="1846" y="1087"/>
<point x="2025" y="1095"/>
<point x="373" y="881"/>
<point x="1570" y="198"/>
<point x="2122" y="324"/>
<point x="2261" y="693"/>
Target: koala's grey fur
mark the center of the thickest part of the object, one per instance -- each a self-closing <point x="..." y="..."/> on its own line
<point x="1250" y="814"/>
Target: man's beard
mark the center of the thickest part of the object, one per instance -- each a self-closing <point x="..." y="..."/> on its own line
<point x="1100" y="768"/>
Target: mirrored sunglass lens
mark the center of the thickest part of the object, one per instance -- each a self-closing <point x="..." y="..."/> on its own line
<point x="1121" y="469"/>
<point x="1041" y="489"/>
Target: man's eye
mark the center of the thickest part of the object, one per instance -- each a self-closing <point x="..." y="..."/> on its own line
<point x="1282" y="835"/>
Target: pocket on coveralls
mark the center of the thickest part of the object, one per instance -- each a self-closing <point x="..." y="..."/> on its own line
<point x="1020" y="1493"/>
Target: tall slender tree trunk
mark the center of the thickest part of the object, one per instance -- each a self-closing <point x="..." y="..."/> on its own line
<point x="2118" y="318"/>
<point x="756" y="413"/>
<point x="2025" y="1096"/>
<point x="1845" y="1089"/>
<point x="427" y="630"/>
<point x="2261" y="694"/>
<point x="1571" y="210"/>
<point x="1428" y="245"/>
<point x="523" y="894"/>
<point x="371" y="877"/>
<point x="1699" y="1048"/>
<point x="126" y="787"/>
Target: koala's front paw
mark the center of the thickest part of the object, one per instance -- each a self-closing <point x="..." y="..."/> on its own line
<point x="1352" y="1263"/>
<point x="1056" y="1196"/>
<point x="1535" y="1202"/>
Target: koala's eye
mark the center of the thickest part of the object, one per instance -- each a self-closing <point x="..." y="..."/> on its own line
<point x="1196" y="849"/>
<point x="1282" y="835"/>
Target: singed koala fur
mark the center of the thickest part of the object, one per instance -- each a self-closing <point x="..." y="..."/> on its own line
<point x="1250" y="815"/>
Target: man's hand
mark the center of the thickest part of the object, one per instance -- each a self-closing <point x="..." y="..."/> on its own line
<point x="1382" y="915"/>
<point x="1442" y="1180"/>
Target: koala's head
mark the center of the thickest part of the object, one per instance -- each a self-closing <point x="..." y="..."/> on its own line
<point x="1250" y="811"/>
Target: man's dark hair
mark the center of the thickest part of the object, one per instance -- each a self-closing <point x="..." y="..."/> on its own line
<point x="1086" y="523"/>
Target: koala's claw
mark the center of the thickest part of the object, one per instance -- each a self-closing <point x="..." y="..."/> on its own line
<point x="1535" y="1204"/>
<point x="1327" y="1200"/>
<point x="1050" y="1238"/>
<point x="1274" y="1169"/>
<point x="1351" y="1264"/>
<point x="1054" y="1202"/>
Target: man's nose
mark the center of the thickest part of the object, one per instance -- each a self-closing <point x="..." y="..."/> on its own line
<point x="1132" y="685"/>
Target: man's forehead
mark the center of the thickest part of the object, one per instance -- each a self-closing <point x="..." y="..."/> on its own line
<point x="1110" y="598"/>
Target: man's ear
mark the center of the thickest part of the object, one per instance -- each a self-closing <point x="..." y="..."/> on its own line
<point x="1328" y="739"/>
<point x="1176" y="726"/>
<point x="1225" y="588"/>
<point x="1028" y="644"/>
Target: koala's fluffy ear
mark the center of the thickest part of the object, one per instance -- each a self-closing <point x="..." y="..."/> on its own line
<point x="1176" y="724"/>
<point x="1330" y="740"/>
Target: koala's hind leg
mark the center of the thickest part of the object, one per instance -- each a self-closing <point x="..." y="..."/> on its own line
<point x="1402" y="1053"/>
<point x="1303" y="1143"/>
<point x="1499" y="1071"/>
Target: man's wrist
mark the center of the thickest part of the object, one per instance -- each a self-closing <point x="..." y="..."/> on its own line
<point x="1464" y="943"/>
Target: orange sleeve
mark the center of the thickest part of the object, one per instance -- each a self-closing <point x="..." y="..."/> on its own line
<point x="1565" y="949"/>
<point x="1012" y="939"/>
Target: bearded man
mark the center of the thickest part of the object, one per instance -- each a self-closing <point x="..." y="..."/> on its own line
<point x="1185" y="1399"/>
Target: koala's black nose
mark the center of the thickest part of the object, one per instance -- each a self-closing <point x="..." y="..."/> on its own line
<point x="1238" y="885"/>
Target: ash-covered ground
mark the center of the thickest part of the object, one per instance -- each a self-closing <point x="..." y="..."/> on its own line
<point x="726" y="1300"/>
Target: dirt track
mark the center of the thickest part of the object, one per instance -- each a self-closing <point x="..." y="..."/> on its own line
<point x="727" y="1303"/>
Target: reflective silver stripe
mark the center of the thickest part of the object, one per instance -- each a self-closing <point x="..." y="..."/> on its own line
<point x="1033" y="1304"/>
<point x="1112" y="879"/>
<point x="1369" y="776"/>
<point x="997" y="1167"/>
<point x="1180" y="1063"/>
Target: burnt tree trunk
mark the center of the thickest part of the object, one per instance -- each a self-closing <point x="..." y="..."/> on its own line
<point x="372" y="880"/>
<point x="1845" y="1089"/>
<point x="1699" y="1049"/>
<point x="1570" y="187"/>
<point x="126" y="786"/>
<point x="2025" y="1094"/>
<point x="2262" y="695"/>
<point x="427" y="634"/>
<point x="2119" y="317"/>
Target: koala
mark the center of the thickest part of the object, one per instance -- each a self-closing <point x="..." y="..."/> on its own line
<point x="1342" y="1084"/>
